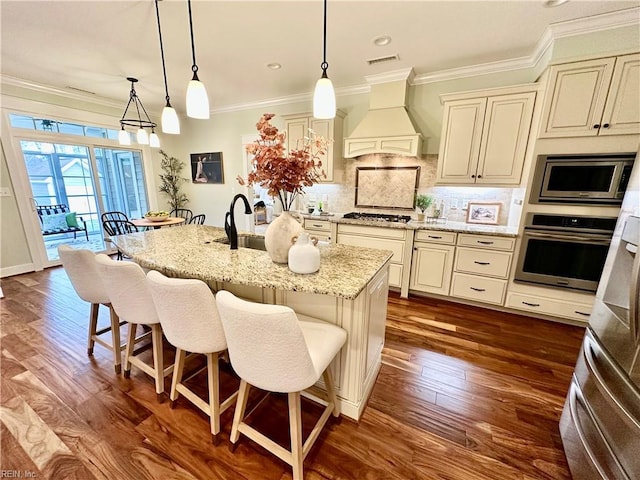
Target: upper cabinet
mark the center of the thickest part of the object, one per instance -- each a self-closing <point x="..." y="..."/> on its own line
<point x="594" y="97"/>
<point x="484" y="136"/>
<point x="297" y="127"/>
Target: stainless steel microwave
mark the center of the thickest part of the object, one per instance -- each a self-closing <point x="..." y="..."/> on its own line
<point x="581" y="179"/>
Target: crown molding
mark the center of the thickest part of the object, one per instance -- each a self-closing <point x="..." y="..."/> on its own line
<point x="406" y="74"/>
<point x="580" y="26"/>
<point x="301" y="97"/>
<point x="61" y="92"/>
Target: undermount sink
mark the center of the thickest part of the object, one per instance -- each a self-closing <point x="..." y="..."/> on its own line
<point x="246" y="241"/>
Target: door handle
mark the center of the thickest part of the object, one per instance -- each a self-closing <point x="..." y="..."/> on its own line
<point x="634" y="298"/>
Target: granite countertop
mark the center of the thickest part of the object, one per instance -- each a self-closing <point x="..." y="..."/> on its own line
<point x="459" y="227"/>
<point x="191" y="251"/>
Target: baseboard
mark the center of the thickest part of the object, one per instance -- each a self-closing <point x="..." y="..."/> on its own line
<point x="17" y="270"/>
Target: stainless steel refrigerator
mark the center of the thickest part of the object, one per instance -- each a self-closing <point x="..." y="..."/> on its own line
<point x="600" y="423"/>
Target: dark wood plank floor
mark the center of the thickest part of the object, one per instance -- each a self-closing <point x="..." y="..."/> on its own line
<point x="464" y="393"/>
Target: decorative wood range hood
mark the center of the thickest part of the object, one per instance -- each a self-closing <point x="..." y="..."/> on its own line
<point x="387" y="127"/>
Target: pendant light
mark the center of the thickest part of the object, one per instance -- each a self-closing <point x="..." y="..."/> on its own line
<point x="324" y="96"/>
<point x="141" y="134"/>
<point x="197" y="100"/>
<point x="170" y="122"/>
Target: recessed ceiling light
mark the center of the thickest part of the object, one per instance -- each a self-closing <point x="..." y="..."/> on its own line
<point x="382" y="40"/>
<point x="274" y="66"/>
<point x="554" y="3"/>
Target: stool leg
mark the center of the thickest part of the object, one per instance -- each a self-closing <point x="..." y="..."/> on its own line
<point x="295" y="426"/>
<point x="331" y="391"/>
<point x="93" y="326"/>
<point x="213" y="380"/>
<point x="158" y="360"/>
<point x="115" y="340"/>
<point x="178" y="368"/>
<point x="128" y="353"/>
<point x="238" y="415"/>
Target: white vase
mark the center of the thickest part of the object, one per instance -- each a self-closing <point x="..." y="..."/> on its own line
<point x="304" y="256"/>
<point x="277" y="238"/>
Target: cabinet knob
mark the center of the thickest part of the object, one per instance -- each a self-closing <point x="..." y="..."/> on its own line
<point x="606" y="125"/>
<point x="479" y="176"/>
<point x="597" y="125"/>
<point x="473" y="176"/>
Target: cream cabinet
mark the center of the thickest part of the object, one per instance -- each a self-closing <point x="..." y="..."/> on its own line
<point x="481" y="268"/>
<point x="485" y="135"/>
<point x="297" y="128"/>
<point x="432" y="261"/>
<point x="319" y="228"/>
<point x="398" y="240"/>
<point x="549" y="306"/>
<point x="594" y="97"/>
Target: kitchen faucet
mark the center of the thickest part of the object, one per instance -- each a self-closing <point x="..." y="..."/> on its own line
<point x="230" y="220"/>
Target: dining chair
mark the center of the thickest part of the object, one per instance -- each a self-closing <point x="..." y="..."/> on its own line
<point x="182" y="212"/>
<point x="197" y="219"/>
<point x="114" y="215"/>
<point x="272" y="349"/>
<point x="81" y="268"/>
<point x="126" y="285"/>
<point x="115" y="227"/>
<point x="190" y="322"/>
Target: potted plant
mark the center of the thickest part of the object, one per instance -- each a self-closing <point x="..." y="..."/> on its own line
<point x="171" y="181"/>
<point x="423" y="202"/>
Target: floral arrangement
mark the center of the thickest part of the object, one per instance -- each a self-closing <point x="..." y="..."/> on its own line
<point x="284" y="175"/>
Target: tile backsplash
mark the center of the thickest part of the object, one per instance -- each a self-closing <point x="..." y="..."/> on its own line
<point x="340" y="197"/>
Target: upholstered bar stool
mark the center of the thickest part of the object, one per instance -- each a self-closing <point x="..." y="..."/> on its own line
<point x="127" y="287"/>
<point x="190" y="322"/>
<point x="81" y="269"/>
<point x="271" y="349"/>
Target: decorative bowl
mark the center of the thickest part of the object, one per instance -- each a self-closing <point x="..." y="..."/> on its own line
<point x="156" y="216"/>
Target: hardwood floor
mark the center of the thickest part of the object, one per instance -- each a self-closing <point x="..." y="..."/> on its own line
<point x="464" y="393"/>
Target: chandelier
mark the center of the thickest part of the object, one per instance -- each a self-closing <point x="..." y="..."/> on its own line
<point x="142" y="136"/>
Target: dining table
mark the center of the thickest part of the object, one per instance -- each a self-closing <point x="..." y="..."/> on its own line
<point x="145" y="222"/>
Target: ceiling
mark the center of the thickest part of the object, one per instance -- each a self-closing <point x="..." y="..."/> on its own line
<point x="94" y="45"/>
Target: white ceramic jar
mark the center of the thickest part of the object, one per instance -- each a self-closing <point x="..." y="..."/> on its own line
<point x="304" y="256"/>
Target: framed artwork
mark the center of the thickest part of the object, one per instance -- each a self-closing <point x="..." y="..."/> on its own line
<point x="207" y="168"/>
<point x="484" y="213"/>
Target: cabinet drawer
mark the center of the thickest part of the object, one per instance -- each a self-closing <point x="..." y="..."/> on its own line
<point x="486" y="241"/>
<point x="435" y="236"/>
<point x="483" y="262"/>
<point x="548" y="306"/>
<point x="312" y="224"/>
<point x="481" y="289"/>
<point x="396" y="233"/>
<point x="397" y="247"/>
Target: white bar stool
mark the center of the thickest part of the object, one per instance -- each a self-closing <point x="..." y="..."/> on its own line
<point x="190" y="321"/>
<point x="127" y="287"/>
<point x="81" y="269"/>
<point x="271" y="349"/>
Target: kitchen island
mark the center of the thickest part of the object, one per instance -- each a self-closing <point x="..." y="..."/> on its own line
<point x="350" y="290"/>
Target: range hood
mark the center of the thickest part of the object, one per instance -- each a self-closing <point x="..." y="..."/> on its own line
<point x="387" y="127"/>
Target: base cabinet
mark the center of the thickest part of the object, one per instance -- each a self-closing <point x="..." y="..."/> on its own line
<point x="549" y="306"/>
<point x="398" y="240"/>
<point x="432" y="262"/>
<point x="319" y="228"/>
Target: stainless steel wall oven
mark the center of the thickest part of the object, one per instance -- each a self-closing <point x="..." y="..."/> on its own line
<point x="564" y="251"/>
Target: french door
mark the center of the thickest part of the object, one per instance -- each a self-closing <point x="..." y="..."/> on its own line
<point x="90" y="180"/>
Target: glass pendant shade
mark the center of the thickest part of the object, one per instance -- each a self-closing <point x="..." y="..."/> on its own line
<point x="197" y="100"/>
<point x="170" y="122"/>
<point x="324" y="99"/>
<point x="142" y="137"/>
<point x="154" y="140"/>
<point x="124" y="138"/>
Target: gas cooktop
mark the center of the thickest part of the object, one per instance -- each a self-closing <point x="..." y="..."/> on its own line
<point x="377" y="217"/>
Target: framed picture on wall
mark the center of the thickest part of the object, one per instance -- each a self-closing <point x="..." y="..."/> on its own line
<point x="207" y="168"/>
<point x="485" y="213"/>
